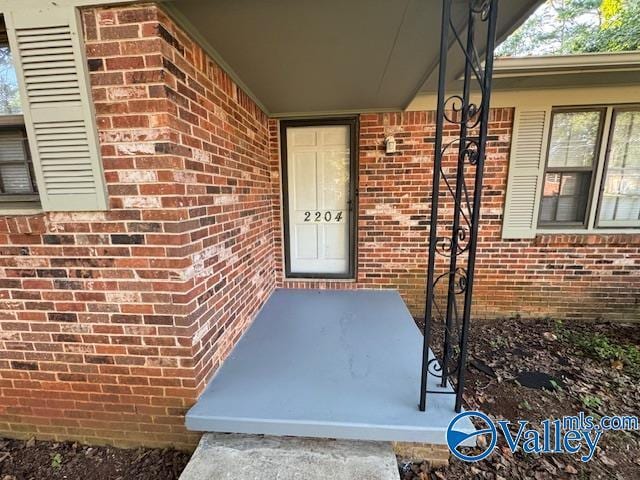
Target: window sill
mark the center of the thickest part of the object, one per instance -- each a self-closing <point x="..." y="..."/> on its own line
<point x="20" y="211"/>
<point x="318" y="280"/>
<point x="592" y="231"/>
<point x="20" y="208"/>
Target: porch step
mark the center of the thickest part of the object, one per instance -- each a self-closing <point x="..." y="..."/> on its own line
<point x="222" y="456"/>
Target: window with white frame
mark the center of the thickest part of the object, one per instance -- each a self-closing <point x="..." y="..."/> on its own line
<point x="17" y="181"/>
<point x="592" y="171"/>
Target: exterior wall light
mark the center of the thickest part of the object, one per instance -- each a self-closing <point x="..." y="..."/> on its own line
<point x="390" y="144"/>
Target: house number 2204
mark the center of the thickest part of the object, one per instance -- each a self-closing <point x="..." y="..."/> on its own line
<point x="322" y="216"/>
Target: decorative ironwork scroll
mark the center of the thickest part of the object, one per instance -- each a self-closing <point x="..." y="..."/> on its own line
<point x="455" y="202"/>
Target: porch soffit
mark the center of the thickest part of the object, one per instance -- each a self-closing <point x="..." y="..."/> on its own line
<point x="309" y="57"/>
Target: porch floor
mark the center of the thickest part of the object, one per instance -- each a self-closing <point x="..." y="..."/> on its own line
<point x="327" y="363"/>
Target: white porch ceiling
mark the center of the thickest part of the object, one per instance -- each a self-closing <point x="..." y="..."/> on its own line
<point x="304" y="57"/>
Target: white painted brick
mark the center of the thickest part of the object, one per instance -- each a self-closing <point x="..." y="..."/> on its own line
<point x="126" y="93"/>
<point x="122" y="297"/>
<point x="136" y="148"/>
<point x="137" y="176"/>
<point x="141" y="202"/>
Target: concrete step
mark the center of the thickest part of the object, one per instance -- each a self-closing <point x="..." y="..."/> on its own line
<point x="228" y="456"/>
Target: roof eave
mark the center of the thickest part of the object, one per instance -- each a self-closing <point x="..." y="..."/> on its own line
<point x="545" y="65"/>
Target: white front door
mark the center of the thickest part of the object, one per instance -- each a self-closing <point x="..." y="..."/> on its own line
<point x="318" y="194"/>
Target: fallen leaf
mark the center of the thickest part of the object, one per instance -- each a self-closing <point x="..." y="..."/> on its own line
<point x="617" y="365"/>
<point x="607" y="461"/>
<point x="482" y="367"/>
<point x="548" y="467"/>
<point x="506" y="450"/>
<point x="571" y="469"/>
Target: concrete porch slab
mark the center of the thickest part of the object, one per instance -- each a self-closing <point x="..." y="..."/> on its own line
<point x="221" y="456"/>
<point x="327" y="363"/>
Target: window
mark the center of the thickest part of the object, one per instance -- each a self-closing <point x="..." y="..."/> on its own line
<point x="17" y="185"/>
<point x="570" y="166"/>
<point x="620" y="199"/>
<point x="577" y="143"/>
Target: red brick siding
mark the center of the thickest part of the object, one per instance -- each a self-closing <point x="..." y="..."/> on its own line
<point x="586" y="277"/>
<point x="565" y="276"/>
<point x="111" y="322"/>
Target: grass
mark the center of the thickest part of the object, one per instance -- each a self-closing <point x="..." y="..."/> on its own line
<point x="591" y="401"/>
<point x="601" y="347"/>
<point x="56" y="461"/>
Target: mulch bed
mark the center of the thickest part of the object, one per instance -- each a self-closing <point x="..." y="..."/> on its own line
<point x="587" y="380"/>
<point x="40" y="460"/>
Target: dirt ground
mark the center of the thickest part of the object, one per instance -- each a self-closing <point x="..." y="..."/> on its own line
<point x="596" y="369"/>
<point x="40" y="460"/>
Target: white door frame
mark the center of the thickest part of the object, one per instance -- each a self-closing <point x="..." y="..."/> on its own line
<point x="353" y="124"/>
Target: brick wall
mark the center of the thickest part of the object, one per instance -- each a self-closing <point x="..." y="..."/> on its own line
<point x="111" y="322"/>
<point x="565" y="276"/>
<point x="586" y="277"/>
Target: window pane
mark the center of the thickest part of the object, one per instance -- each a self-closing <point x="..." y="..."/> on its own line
<point x="9" y="96"/>
<point x="571" y="209"/>
<point x="621" y="189"/>
<point x="552" y="184"/>
<point x="548" y="209"/>
<point x="15" y="177"/>
<point x="574" y="137"/>
<point x="565" y="197"/>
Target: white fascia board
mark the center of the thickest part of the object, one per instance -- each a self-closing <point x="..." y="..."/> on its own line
<point x="544" y="65"/>
<point x="14" y="5"/>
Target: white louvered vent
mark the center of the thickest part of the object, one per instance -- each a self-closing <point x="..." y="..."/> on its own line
<point x="59" y="117"/>
<point x="525" y="170"/>
<point x="48" y="63"/>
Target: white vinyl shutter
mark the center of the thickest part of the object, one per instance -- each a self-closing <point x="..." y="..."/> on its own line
<point x="526" y="171"/>
<point x="48" y="51"/>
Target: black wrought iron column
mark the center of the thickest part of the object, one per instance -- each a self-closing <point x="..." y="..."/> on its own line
<point x="456" y="197"/>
